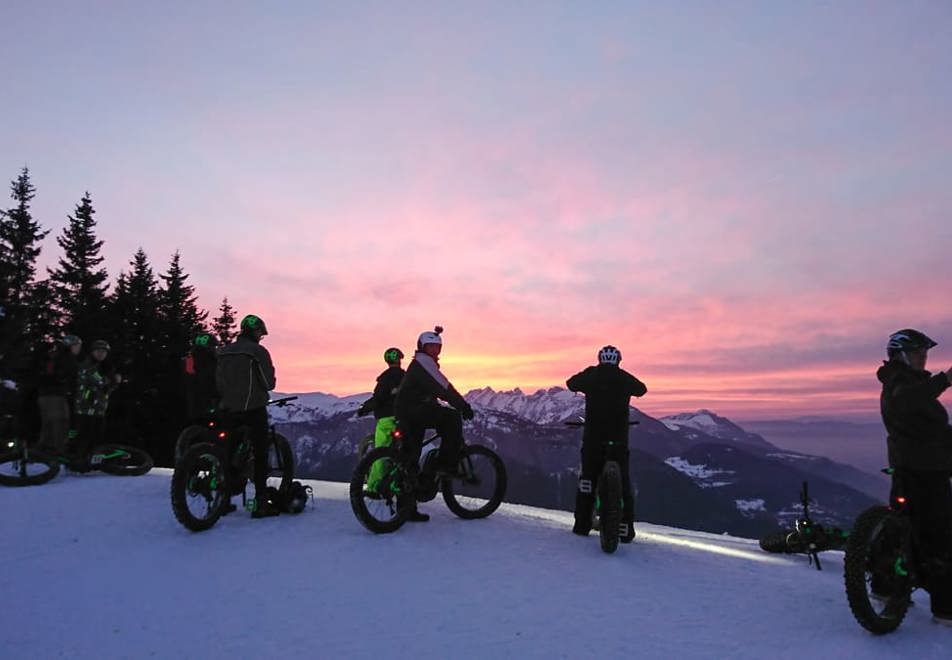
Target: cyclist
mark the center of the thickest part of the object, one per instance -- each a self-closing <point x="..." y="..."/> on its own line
<point x="381" y="405"/>
<point x="55" y="393"/>
<point x="199" y="366"/>
<point x="417" y="409"/>
<point x="245" y="376"/>
<point x="94" y="384"/>
<point x="608" y="389"/>
<point x="919" y="442"/>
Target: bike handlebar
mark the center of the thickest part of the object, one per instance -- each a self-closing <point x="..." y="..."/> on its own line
<point x="282" y="401"/>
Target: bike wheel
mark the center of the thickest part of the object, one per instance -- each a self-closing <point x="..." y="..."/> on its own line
<point x="120" y="460"/>
<point x="874" y="555"/>
<point x="381" y="511"/>
<point x="480" y="490"/>
<point x="609" y="505"/>
<point x="776" y="542"/>
<point x="32" y="471"/>
<point x="280" y="465"/>
<point x="200" y="487"/>
<point x="189" y="436"/>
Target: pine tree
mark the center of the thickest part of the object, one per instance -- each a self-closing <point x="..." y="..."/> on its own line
<point x="181" y="318"/>
<point x="20" y="238"/>
<point x="79" y="286"/>
<point x="224" y="324"/>
<point x="134" y="321"/>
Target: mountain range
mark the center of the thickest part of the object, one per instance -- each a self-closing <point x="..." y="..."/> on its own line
<point x="693" y="470"/>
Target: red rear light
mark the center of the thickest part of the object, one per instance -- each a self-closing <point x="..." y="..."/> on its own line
<point x="222" y="434"/>
<point x="900" y="500"/>
<point x="396" y="433"/>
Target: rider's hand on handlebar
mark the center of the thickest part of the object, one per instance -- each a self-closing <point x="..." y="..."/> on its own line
<point x="948" y="374"/>
<point x="467" y="412"/>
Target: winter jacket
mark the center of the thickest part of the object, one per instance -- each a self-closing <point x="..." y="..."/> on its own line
<point x="424" y="383"/>
<point x="59" y="374"/>
<point x="245" y="375"/>
<point x="381" y="403"/>
<point x="93" y="387"/>
<point x="608" y="390"/>
<point x="917" y="424"/>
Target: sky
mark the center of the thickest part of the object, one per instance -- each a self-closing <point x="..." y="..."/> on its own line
<point x="746" y="198"/>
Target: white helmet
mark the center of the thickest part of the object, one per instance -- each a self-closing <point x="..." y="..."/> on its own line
<point x="429" y="338"/>
<point x="609" y="355"/>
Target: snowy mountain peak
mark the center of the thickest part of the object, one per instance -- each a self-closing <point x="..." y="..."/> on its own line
<point x="712" y="424"/>
<point x="549" y="406"/>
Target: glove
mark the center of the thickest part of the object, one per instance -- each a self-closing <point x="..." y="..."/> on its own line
<point x="363" y="410"/>
<point x="467" y="412"/>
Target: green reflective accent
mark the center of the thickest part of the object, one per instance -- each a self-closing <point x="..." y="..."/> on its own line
<point x="118" y="453"/>
<point x="391" y="356"/>
<point x="598" y="503"/>
<point x="202" y="340"/>
<point x="899" y="569"/>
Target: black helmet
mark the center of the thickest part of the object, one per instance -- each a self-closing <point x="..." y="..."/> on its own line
<point x="252" y="323"/>
<point x="609" y="355"/>
<point x="905" y="340"/>
<point x="100" y="344"/>
<point x="392" y="355"/>
<point x="205" y="340"/>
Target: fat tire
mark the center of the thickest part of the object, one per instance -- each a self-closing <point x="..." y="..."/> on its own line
<point x="200" y="455"/>
<point x="874" y="540"/>
<point x="776" y="542"/>
<point x="281" y="464"/>
<point x="609" y="486"/>
<point x="189" y="436"/>
<point x="450" y="486"/>
<point x="9" y="469"/>
<point x="396" y="476"/>
<point x="136" y="461"/>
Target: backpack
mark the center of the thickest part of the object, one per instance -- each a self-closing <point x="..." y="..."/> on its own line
<point x="296" y="500"/>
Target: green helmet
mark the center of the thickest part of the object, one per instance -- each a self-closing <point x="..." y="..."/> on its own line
<point x="252" y="323"/>
<point x="205" y="340"/>
<point x="392" y="355"/>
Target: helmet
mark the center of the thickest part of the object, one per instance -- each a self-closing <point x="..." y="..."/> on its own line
<point x="392" y="355"/>
<point x="907" y="340"/>
<point x="71" y="340"/>
<point x="252" y="322"/>
<point x="609" y="355"/>
<point x="205" y="340"/>
<point x="429" y="338"/>
<point x="100" y="344"/>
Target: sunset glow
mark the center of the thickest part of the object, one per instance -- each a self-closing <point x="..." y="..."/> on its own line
<point x="745" y="198"/>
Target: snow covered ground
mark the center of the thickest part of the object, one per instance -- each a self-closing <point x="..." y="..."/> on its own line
<point x="96" y="566"/>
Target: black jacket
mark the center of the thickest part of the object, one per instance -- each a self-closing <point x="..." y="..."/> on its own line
<point x="919" y="436"/>
<point x="424" y="384"/>
<point x="608" y="390"/>
<point x="59" y="374"/>
<point x="244" y="376"/>
<point x="201" y="391"/>
<point x="381" y="403"/>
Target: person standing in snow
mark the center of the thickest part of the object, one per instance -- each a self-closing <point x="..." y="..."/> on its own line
<point x="245" y="376"/>
<point x="94" y="383"/>
<point x="417" y="409"/>
<point x="608" y="389"/>
<point x="919" y="443"/>
<point x="55" y="394"/>
<point x="381" y="405"/>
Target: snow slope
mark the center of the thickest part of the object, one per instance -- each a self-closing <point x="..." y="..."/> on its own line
<point x="96" y="567"/>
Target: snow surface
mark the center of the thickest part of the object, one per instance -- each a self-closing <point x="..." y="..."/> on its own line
<point x="699" y="472"/>
<point x="97" y="567"/>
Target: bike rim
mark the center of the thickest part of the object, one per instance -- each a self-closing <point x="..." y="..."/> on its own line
<point x="479" y="481"/>
<point x="204" y="491"/>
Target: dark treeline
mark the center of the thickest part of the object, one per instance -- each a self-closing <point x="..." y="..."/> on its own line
<point x="149" y="321"/>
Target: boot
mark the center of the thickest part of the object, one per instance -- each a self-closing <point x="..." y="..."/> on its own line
<point x="264" y="509"/>
<point x="414" y="515"/>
